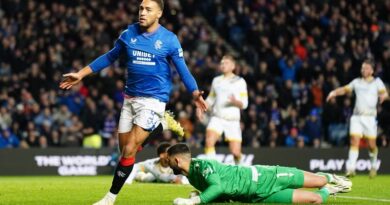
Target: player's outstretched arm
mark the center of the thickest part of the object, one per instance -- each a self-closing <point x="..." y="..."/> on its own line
<point x="177" y="58"/>
<point x="71" y="79"/>
<point x="336" y="92"/>
<point x="190" y="83"/>
<point x="97" y="65"/>
<point x="210" y="194"/>
<point x="214" y="190"/>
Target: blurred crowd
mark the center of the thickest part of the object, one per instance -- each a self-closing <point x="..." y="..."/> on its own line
<point x="295" y="53"/>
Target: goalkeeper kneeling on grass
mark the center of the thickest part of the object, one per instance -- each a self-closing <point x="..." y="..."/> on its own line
<point x="218" y="182"/>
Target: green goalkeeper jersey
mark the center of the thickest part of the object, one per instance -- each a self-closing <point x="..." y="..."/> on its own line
<point x="221" y="182"/>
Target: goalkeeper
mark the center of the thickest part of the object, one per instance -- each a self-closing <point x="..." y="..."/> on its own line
<point x="262" y="184"/>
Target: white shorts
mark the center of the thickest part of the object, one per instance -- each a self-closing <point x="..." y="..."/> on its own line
<point x="145" y="112"/>
<point x="231" y="128"/>
<point x="363" y="126"/>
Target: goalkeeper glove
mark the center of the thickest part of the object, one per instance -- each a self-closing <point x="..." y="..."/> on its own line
<point x="191" y="201"/>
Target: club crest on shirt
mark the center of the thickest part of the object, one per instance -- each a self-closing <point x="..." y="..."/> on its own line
<point x="133" y="40"/>
<point x="207" y="172"/>
<point x="158" y="45"/>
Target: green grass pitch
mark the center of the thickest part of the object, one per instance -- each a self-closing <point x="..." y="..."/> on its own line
<point x="87" y="190"/>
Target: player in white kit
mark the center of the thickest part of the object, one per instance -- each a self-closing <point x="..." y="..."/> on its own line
<point x="368" y="90"/>
<point x="156" y="169"/>
<point x="228" y="95"/>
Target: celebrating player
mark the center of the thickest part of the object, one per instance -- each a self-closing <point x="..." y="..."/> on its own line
<point x="363" y="121"/>
<point x="228" y="95"/>
<point x="149" y="48"/>
<point x="267" y="184"/>
<point x="156" y="170"/>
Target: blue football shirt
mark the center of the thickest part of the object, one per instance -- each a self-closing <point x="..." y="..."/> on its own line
<point x="148" y="57"/>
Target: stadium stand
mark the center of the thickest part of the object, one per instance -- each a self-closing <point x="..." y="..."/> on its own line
<point x="295" y="52"/>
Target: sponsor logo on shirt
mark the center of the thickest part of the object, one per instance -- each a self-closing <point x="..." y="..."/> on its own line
<point x="143" y="58"/>
<point x="180" y="50"/>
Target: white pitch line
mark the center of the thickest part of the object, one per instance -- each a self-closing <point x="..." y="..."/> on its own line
<point x="363" y="198"/>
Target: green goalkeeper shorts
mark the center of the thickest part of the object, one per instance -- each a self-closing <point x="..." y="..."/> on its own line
<point x="277" y="184"/>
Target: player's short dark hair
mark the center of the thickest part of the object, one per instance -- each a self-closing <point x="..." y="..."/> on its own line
<point x="370" y="62"/>
<point x="163" y="147"/>
<point x="179" y="148"/>
<point x="160" y="4"/>
<point x="230" y="57"/>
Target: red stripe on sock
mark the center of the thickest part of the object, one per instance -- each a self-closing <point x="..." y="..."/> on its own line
<point x="127" y="161"/>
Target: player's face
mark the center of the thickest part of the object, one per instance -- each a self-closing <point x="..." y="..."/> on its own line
<point x="164" y="159"/>
<point x="226" y="65"/>
<point x="173" y="164"/>
<point x="367" y="70"/>
<point x="149" y="13"/>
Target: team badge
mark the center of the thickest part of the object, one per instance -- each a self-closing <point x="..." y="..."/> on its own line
<point x="207" y="172"/>
<point x="158" y="44"/>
